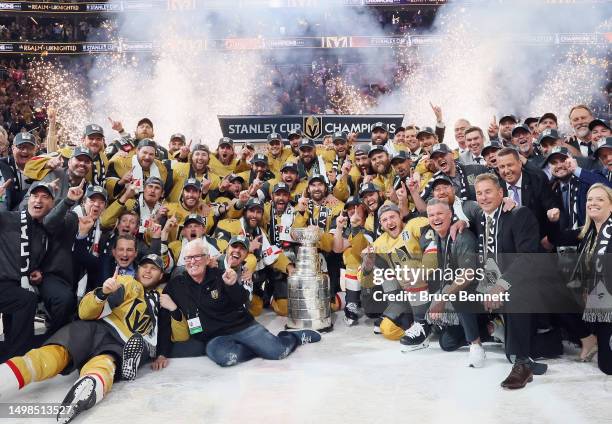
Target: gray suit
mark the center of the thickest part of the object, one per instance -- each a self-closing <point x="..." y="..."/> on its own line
<point x="467" y="158"/>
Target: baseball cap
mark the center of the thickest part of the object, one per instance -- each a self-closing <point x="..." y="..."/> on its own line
<point x="508" y="117"/>
<point x="362" y="149"/>
<point x="548" y="115"/>
<point x="24" y="137"/>
<point x="192" y="182"/>
<point x="531" y="120"/>
<point x="154" y="180"/>
<point x="290" y="166"/>
<point x="376" y="149"/>
<point x="179" y="136"/>
<point x="295" y="134"/>
<point x="401" y="155"/>
<point x="425" y="131"/>
<point x="494" y="144"/>
<point x="254" y="203"/>
<point x="352" y="201"/>
<point x="260" y="157"/>
<point x="42" y="185"/>
<point x="145" y="121"/>
<point x="386" y="208"/>
<point x="93" y="190"/>
<point x="520" y="127"/>
<point x="380" y="125"/>
<point x="82" y="151"/>
<point x="317" y="177"/>
<point x="194" y="217"/>
<point x="596" y="122"/>
<point x="441" y="179"/>
<point x="226" y="140"/>
<point x="281" y="186"/>
<point x="274" y="136"/>
<point x="367" y="188"/>
<point x="557" y="151"/>
<point x="606" y="143"/>
<point x="93" y="129"/>
<point x="306" y="142"/>
<point x="548" y="134"/>
<point x="147" y="142"/>
<point x="234" y="177"/>
<point x="154" y="259"/>
<point x="439" y="149"/>
<point x="339" y="135"/>
<point x="240" y="240"/>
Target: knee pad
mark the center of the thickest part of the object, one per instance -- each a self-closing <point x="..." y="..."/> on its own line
<point x="280" y="306"/>
<point x="391" y="330"/>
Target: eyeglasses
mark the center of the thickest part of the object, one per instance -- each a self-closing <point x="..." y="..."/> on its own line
<point x="193" y="258"/>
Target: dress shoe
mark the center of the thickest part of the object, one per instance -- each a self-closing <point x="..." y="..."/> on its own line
<point x="518" y="378"/>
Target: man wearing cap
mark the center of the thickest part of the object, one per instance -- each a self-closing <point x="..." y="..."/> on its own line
<point x="24" y="240"/>
<point x="380" y="137"/>
<point x="225" y="161"/>
<point x="76" y="171"/>
<point x="118" y="329"/>
<point x="277" y="154"/>
<point x="309" y="162"/>
<point x="547" y="121"/>
<point x="600" y="129"/>
<point x="350" y="238"/>
<point x="23" y="150"/>
<point x="381" y="167"/>
<point x="136" y="169"/>
<point x="348" y="183"/>
<point x="229" y="189"/>
<point x="177" y="140"/>
<point x="193" y="228"/>
<point x="570" y="185"/>
<point x="580" y="116"/>
<point x="489" y="152"/>
<point x="146" y="205"/>
<point x="93" y="139"/>
<point x="462" y="176"/>
<point x="522" y="140"/>
<point x="398" y="246"/>
<point x="295" y="138"/>
<point x="502" y="131"/>
<point x="127" y="144"/>
<point x="474" y="141"/>
<point x="266" y="253"/>
<point x="532" y="123"/>
<point x="370" y="195"/>
<point x="289" y="174"/>
<point x="196" y="166"/>
<point x="259" y="173"/>
<point x="603" y="154"/>
<point x="191" y="202"/>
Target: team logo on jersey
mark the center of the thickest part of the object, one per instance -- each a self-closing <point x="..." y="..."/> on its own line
<point x="214" y="294"/>
<point x="313" y="126"/>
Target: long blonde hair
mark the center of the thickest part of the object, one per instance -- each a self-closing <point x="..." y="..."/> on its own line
<point x="588" y="221"/>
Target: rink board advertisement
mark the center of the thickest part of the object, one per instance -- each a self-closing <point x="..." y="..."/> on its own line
<point x="257" y="127"/>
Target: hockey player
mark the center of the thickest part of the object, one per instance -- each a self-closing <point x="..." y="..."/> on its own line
<point x="118" y="327"/>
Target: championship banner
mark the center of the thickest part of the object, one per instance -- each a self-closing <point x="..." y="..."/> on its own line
<point x="257" y="127"/>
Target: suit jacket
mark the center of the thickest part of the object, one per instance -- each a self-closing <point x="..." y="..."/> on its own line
<point x="467" y="158"/>
<point x="537" y="195"/>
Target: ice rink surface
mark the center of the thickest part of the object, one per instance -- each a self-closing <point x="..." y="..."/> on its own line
<point x="351" y="376"/>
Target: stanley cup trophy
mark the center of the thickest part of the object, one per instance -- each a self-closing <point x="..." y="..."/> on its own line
<point x="308" y="287"/>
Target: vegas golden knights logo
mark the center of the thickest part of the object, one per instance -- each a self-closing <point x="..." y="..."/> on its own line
<point x="313" y="127"/>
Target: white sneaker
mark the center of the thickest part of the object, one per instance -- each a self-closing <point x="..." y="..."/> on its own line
<point x="477" y="356"/>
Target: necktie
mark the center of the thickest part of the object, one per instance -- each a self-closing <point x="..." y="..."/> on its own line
<point x="478" y="160"/>
<point x="515" y="194"/>
<point x="565" y="196"/>
<point x="488" y="226"/>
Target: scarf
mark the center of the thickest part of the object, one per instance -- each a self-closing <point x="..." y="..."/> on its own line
<point x="152" y="302"/>
<point x="97" y="178"/>
<point x="573" y="186"/>
<point x="269" y="252"/>
<point x="93" y="242"/>
<point x="280" y="233"/>
<point x="18" y="180"/>
<point x="487" y="251"/>
<point x="138" y="172"/>
<point x="463" y="193"/>
<point x="599" y="300"/>
<point x="446" y="260"/>
<point x="25" y="241"/>
<point x="145" y="213"/>
<point x="324" y="213"/>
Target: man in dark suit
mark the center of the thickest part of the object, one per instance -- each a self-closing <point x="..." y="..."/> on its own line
<point x="528" y="187"/>
<point x="506" y="252"/>
<point x="462" y="176"/>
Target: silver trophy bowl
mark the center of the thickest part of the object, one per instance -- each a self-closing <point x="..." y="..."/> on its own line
<point x="308" y="288"/>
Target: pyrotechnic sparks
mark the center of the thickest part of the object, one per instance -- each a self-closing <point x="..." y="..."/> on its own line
<point x="63" y="89"/>
<point x="345" y="98"/>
